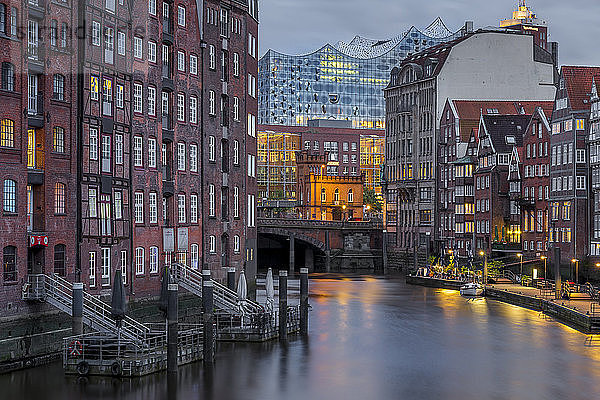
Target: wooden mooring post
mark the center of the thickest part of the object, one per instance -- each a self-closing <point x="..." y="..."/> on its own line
<point x="172" y="329"/>
<point x="283" y="275"/>
<point x="208" y="344"/>
<point x="77" y="309"/>
<point x="304" y="301"/>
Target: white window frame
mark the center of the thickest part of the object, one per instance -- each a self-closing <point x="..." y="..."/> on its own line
<point x="193" y="64"/>
<point x="138" y="47"/>
<point x="138" y="151"/>
<point x="193" y="158"/>
<point x="137" y="98"/>
<point x="194" y="208"/>
<point x="154" y="260"/>
<point x="212" y="244"/>
<point x="139" y="261"/>
<point x="152" y="51"/>
<point x="193" y="109"/>
<point x="92" y="268"/>
<point x="181" y="107"/>
<point x="119" y="96"/>
<point x="211" y="200"/>
<point x="105" y="266"/>
<point x="139" y="207"/>
<point x="121" y="43"/>
<point x="181" y="211"/>
<point x="151" y="153"/>
<point x="118" y="149"/>
<point x="153" y="207"/>
<point x="180" y="61"/>
<point x="181" y="156"/>
<point x="151" y="100"/>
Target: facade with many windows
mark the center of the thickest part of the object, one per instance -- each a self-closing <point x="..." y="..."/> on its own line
<point x="569" y="174"/>
<point x="143" y="129"/>
<point x="415" y="100"/>
<point x="594" y="162"/>
<point x="38" y="153"/>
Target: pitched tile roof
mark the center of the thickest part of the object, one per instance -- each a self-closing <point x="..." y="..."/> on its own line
<point x="472" y="109"/>
<point x="499" y="127"/>
<point x="578" y="81"/>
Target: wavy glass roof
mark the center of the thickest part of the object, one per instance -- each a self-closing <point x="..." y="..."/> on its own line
<point x="344" y="81"/>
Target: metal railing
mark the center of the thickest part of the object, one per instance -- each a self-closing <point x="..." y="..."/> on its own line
<point x="508" y="274"/>
<point x="264" y="323"/>
<point x="225" y="299"/>
<point x="102" y="350"/>
<point x="58" y="292"/>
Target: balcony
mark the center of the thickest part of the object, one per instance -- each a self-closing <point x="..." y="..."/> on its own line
<point x="527" y="202"/>
<point x="167" y="29"/>
<point x="35" y="223"/>
<point x="167" y="180"/>
<point x="35" y="111"/>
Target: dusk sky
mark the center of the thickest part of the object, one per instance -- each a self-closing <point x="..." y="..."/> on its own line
<point x="302" y="26"/>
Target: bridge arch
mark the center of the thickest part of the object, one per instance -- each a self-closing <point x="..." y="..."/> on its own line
<point x="297" y="236"/>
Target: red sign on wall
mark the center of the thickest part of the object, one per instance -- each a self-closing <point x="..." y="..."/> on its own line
<point x="38" y="241"/>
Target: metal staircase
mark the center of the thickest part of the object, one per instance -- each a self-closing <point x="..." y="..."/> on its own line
<point x="225" y="299"/>
<point x="96" y="314"/>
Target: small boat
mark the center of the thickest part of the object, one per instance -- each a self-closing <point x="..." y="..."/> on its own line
<point x="472" y="289"/>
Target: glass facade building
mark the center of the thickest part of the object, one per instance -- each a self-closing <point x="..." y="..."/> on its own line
<point x="343" y="82"/>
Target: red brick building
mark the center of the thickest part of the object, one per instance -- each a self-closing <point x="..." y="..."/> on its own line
<point x="457" y="159"/>
<point x="535" y="185"/>
<point x="147" y="122"/>
<point x="569" y="172"/>
<point x="38" y="144"/>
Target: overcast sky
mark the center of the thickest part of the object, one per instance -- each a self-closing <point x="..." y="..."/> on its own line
<point x="302" y="26"/>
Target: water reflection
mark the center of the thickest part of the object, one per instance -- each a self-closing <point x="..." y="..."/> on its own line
<point x="371" y="338"/>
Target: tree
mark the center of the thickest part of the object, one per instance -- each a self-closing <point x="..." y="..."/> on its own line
<point x="370" y="199"/>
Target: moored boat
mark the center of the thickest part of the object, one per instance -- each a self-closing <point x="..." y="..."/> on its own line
<point x="472" y="289"/>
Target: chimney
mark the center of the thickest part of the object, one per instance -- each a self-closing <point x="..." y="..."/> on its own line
<point x="554" y="51"/>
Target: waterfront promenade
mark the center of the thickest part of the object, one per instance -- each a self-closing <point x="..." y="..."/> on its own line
<point x="581" y="313"/>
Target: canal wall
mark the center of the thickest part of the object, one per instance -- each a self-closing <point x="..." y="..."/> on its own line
<point x="434" y="282"/>
<point x="568" y="316"/>
<point x="36" y="339"/>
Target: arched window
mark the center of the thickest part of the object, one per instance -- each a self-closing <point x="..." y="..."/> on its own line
<point x="59" y="260"/>
<point x="7" y="133"/>
<point x="139" y="261"/>
<point x="323" y="195"/>
<point x="9" y="262"/>
<point x="10" y="196"/>
<point x="336" y="195"/>
<point x="59" y="198"/>
<point x="350" y="196"/>
<point x="8" y="76"/>
<point x="58" y="92"/>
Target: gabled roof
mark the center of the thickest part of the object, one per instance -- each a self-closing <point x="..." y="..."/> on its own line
<point x="501" y="127"/>
<point x="472" y="109"/>
<point x="578" y="81"/>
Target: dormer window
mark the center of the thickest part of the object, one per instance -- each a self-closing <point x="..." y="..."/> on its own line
<point x="511" y="140"/>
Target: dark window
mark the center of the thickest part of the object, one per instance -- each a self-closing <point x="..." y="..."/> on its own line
<point x="9" y="263"/>
<point x="8" y="76"/>
<point x="53" y="32"/>
<point x="59" y="260"/>
<point x="2" y="18"/>
<point x="10" y="196"/>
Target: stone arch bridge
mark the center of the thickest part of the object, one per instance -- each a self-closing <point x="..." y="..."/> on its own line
<point x="320" y="245"/>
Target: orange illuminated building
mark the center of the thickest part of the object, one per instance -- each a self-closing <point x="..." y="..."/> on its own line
<point x="323" y="197"/>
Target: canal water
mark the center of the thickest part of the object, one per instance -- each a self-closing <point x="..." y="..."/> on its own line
<point x="371" y="338"/>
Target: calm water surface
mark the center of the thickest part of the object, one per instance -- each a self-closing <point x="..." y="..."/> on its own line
<point x="372" y="338"/>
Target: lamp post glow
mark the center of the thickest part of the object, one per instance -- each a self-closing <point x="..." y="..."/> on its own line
<point x="521" y="259"/>
<point x="485" y="266"/>
<point x="576" y="262"/>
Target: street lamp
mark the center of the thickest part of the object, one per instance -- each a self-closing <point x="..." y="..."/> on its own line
<point x="521" y="260"/>
<point x="576" y="262"/>
<point x="544" y="258"/>
<point x="485" y="266"/>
